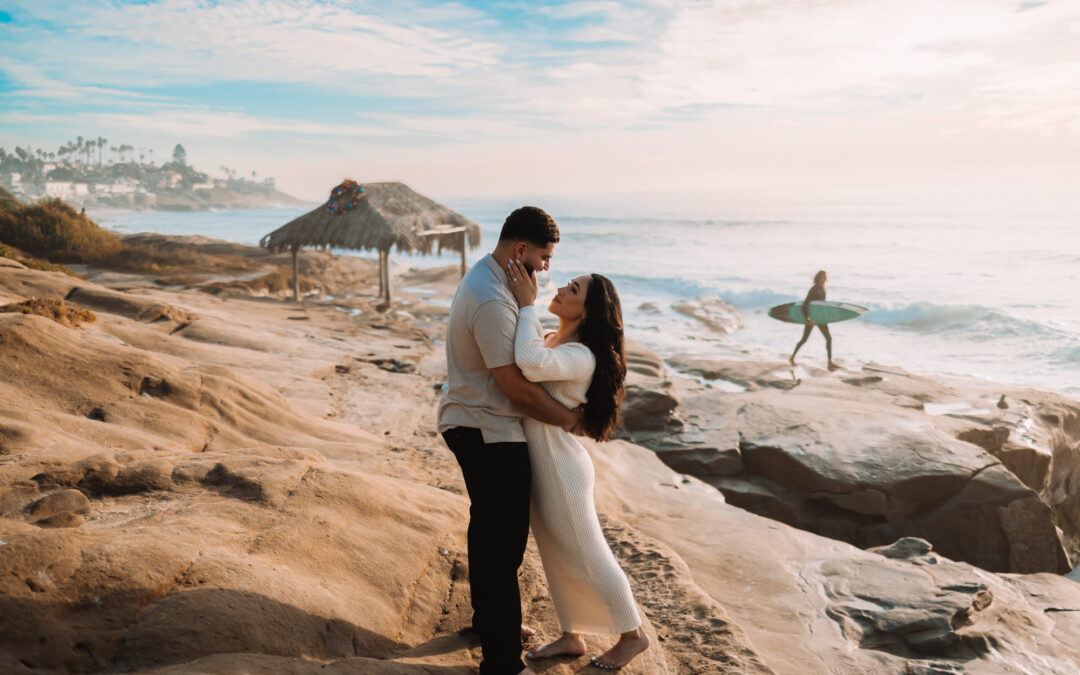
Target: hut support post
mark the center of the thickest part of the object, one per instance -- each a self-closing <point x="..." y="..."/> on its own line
<point x="295" y="274"/>
<point x="386" y="275"/>
<point x="382" y="286"/>
<point x="464" y="234"/>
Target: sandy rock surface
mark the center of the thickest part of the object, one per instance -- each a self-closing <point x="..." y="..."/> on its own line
<point x="202" y="482"/>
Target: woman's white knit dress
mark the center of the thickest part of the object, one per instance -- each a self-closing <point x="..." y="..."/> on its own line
<point x="589" y="589"/>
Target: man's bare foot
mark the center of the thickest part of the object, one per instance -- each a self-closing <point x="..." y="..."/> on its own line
<point x="527" y="631"/>
<point x="570" y="644"/>
<point x="629" y="645"/>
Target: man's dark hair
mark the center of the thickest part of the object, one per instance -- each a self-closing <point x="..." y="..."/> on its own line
<point x="530" y="224"/>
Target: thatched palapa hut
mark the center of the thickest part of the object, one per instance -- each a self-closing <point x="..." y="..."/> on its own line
<point x="376" y="216"/>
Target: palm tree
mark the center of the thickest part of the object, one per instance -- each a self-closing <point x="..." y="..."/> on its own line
<point x="100" y="144"/>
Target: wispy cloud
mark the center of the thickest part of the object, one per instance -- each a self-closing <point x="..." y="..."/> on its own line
<point x="468" y="73"/>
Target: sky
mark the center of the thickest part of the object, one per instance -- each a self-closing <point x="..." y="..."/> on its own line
<point x="488" y="98"/>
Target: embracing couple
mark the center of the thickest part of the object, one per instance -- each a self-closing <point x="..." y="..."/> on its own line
<point x="513" y="395"/>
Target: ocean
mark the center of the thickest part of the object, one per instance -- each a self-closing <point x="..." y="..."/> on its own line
<point x="972" y="281"/>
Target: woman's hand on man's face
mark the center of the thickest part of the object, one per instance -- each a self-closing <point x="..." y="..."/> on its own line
<point x="522" y="283"/>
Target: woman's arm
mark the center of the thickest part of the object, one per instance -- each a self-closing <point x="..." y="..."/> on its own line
<point x="541" y="364"/>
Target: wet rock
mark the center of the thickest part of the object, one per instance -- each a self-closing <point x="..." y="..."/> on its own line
<point x="713" y="452"/>
<point x="703" y="461"/>
<point x="762" y="497"/>
<point x="1033" y="543"/>
<point x="869" y="480"/>
<point x="650" y="410"/>
<point x="906" y="548"/>
<point x="752" y="375"/>
<point x="718" y="315"/>
<point x="990" y="440"/>
<point x="641" y="361"/>
<point x="863" y="380"/>
<point x="1029" y="464"/>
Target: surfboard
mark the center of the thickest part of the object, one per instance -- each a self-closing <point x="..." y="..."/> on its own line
<point x="821" y="311"/>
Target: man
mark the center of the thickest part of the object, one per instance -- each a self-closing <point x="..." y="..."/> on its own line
<point x="480" y="419"/>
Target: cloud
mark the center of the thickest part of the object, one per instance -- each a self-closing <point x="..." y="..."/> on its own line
<point x="294" y="40"/>
<point x="194" y="122"/>
<point x="510" y="79"/>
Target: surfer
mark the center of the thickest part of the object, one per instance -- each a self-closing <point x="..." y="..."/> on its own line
<point x="816" y="292"/>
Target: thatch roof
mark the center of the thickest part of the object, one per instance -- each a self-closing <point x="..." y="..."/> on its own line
<point x="388" y="215"/>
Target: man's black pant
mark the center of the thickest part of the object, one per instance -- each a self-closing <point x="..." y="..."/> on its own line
<point x="498" y="478"/>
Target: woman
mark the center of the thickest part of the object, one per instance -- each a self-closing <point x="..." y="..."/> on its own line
<point x="816" y="292"/>
<point x="581" y="363"/>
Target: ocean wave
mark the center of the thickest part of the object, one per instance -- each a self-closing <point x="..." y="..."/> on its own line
<point x="670" y="286"/>
<point x="757" y="298"/>
<point x="972" y="319"/>
<point x="976" y="322"/>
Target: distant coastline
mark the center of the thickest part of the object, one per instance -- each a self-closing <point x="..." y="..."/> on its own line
<point x="80" y="174"/>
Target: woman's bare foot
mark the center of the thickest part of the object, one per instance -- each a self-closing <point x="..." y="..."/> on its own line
<point x="833" y="366"/>
<point x="629" y="645"/>
<point x="791" y="359"/>
<point x="570" y="644"/>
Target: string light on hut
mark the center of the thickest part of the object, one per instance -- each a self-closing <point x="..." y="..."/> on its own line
<point x="344" y="197"/>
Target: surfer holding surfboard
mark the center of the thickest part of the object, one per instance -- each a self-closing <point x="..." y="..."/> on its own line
<point x="815" y="310"/>
<point x="816" y="292"/>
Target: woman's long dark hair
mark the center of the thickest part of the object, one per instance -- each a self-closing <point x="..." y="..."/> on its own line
<point x="601" y="330"/>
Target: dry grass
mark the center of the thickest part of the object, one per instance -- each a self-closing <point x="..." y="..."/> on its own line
<point x="53" y="229"/>
<point x="175" y="258"/>
<point x="31" y="262"/>
<point x="53" y="308"/>
<point x="276" y="283"/>
<point x="185" y="280"/>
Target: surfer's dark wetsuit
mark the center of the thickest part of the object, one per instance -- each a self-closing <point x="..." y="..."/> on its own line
<point x="816" y="293"/>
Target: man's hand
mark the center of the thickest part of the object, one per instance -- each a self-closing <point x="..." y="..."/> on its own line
<point x="531" y="399"/>
<point x="523" y="284"/>
<point x="579" y="416"/>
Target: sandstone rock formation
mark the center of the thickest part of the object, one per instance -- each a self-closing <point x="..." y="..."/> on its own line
<point x="262" y="490"/>
<point x="854" y="460"/>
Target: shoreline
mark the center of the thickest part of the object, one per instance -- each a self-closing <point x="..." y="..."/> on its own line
<point x="946" y="339"/>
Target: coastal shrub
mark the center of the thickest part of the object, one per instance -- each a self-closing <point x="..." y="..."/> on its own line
<point x="52" y="229"/>
<point x="8" y="201"/>
<point x="53" y="308"/>
<point x="33" y="263"/>
<point x="173" y="258"/>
